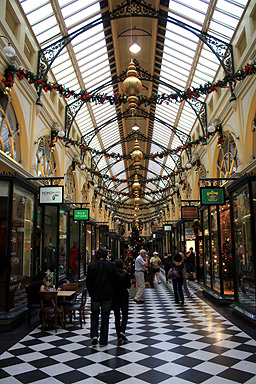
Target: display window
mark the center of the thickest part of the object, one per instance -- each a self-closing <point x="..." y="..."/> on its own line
<point x="21" y="245"/>
<point x="226" y="250"/>
<point x="4" y="202"/>
<point x="215" y="249"/>
<point x="243" y="246"/>
<point x="207" y="254"/>
<point x="50" y="239"/>
<point x="63" y="237"/>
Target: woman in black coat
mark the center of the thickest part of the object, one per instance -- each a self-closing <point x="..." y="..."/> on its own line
<point x="120" y="303"/>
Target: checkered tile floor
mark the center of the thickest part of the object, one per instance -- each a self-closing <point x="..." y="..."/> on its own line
<point x="168" y="344"/>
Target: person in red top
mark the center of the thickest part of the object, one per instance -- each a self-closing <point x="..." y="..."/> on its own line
<point x="73" y="258"/>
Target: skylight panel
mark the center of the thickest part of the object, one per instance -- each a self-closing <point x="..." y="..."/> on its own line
<point x="40" y="13"/>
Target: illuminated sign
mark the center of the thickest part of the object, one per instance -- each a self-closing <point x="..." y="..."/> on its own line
<point x="168" y="228"/>
<point x="51" y="195"/>
<point x="81" y="214"/>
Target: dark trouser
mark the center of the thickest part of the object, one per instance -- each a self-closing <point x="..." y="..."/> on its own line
<point x="105" y="307"/>
<point x="117" y="305"/>
<point x="177" y="288"/>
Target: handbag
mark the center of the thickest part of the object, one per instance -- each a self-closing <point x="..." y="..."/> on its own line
<point x="174" y="274"/>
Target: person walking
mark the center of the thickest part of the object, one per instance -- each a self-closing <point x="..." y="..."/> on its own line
<point x="191" y="263"/>
<point x="120" y="303"/>
<point x="178" y="281"/>
<point x="155" y="262"/>
<point x="185" y="286"/>
<point x="167" y="261"/>
<point x="101" y="277"/>
<point x="141" y="264"/>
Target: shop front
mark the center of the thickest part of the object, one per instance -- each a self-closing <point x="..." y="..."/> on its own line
<point x="18" y="202"/>
<point x="218" y="264"/>
<point x="243" y="229"/>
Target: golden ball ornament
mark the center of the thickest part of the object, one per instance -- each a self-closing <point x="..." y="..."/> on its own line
<point x="136" y="200"/>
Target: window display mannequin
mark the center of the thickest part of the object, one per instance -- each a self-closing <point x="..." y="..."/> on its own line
<point x="50" y="257"/>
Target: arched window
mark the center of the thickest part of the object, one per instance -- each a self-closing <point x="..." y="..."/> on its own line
<point x="9" y="129"/>
<point x="45" y="159"/>
<point x="70" y="187"/>
<point x="228" y="159"/>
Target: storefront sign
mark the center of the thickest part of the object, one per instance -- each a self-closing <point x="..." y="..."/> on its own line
<point x="81" y="214"/>
<point x="212" y="196"/>
<point x="104" y="228"/>
<point x="51" y="195"/>
<point x="168" y="228"/>
<point x="189" y="212"/>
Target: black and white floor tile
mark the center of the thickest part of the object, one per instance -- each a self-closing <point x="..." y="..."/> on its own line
<point x="168" y="344"/>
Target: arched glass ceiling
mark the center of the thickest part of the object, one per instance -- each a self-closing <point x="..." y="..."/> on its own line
<point x="181" y="68"/>
<point x="84" y="64"/>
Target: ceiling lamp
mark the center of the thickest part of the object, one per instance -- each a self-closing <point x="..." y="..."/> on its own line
<point x="188" y="165"/>
<point x="8" y="50"/>
<point x="39" y="106"/>
<point x="132" y="87"/>
<point x="233" y="101"/>
<point x="135" y="47"/>
<point x="82" y="167"/>
<point x="135" y="127"/>
<point x="211" y="129"/>
<point x="61" y="134"/>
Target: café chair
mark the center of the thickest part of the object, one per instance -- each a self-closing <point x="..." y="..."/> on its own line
<point x="50" y="309"/>
<point x="76" y="306"/>
<point x="29" y="305"/>
<point x="67" y="301"/>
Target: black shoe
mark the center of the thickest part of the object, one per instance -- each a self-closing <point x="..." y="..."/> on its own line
<point x="103" y="345"/>
<point x="94" y="341"/>
<point x="182" y="302"/>
<point x="124" y="338"/>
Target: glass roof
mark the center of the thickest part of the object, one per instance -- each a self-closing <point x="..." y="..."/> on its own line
<point x="84" y="65"/>
<point x="181" y="69"/>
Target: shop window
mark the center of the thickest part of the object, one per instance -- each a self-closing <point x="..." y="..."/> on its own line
<point x="45" y="159"/>
<point x="63" y="234"/>
<point x="228" y="158"/>
<point x="243" y="246"/>
<point x="208" y="262"/>
<point x="226" y="249"/>
<point x="21" y="245"/>
<point x="215" y="249"/>
<point x="70" y="186"/>
<point x="9" y="129"/>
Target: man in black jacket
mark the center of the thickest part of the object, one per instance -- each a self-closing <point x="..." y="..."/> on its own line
<point x="101" y="277"/>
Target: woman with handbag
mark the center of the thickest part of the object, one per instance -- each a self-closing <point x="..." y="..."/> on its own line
<point x="177" y="273"/>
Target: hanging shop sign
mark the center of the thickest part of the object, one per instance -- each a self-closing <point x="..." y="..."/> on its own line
<point x="189" y="212"/>
<point x="81" y="214"/>
<point x="167" y="228"/>
<point x="51" y="195"/>
<point x="212" y="196"/>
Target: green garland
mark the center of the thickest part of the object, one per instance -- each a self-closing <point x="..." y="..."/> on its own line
<point x="142" y="182"/>
<point x="168" y="151"/>
<point x="117" y="99"/>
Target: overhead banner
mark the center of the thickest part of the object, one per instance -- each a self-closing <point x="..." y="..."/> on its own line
<point x="51" y="195"/>
<point x="189" y="212"/>
<point x="212" y="196"/>
<point x="81" y="214"/>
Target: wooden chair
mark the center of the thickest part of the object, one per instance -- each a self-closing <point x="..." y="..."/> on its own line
<point x="29" y="305"/>
<point x="67" y="302"/>
<point x="80" y="307"/>
<point x="50" y="311"/>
